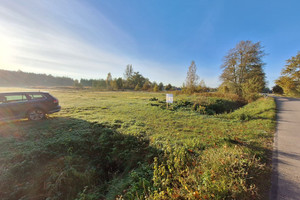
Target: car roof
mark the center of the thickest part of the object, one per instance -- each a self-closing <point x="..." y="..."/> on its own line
<point x="11" y="93"/>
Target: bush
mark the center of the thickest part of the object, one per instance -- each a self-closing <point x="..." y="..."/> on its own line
<point x="277" y="89"/>
<point x="153" y="99"/>
<point x="202" y="105"/>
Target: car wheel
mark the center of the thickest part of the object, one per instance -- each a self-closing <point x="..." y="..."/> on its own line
<point x="36" y="114"/>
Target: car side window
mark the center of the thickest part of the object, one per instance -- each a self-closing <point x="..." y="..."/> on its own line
<point x="15" y="98"/>
<point x="36" y="96"/>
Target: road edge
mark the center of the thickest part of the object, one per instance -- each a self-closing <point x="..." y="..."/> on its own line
<point x="273" y="194"/>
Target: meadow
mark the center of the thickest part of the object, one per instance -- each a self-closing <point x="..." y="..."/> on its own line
<point x="128" y="145"/>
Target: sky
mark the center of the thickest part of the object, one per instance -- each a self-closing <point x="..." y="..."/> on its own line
<point x="90" y="38"/>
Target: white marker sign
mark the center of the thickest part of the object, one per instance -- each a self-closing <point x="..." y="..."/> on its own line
<point x="169" y="98"/>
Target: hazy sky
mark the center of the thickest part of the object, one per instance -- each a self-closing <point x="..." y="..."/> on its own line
<point x="160" y="38"/>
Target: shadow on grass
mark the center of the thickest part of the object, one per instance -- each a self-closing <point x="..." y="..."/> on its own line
<point x="265" y="155"/>
<point x="59" y="157"/>
<point x="261" y="152"/>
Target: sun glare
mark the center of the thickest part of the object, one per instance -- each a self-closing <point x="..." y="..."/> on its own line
<point x="6" y="52"/>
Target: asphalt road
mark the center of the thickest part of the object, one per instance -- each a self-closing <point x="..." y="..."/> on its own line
<point x="286" y="155"/>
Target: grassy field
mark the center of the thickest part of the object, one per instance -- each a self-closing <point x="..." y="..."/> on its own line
<point x="127" y="145"/>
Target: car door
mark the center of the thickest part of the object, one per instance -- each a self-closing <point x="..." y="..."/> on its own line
<point x="16" y="106"/>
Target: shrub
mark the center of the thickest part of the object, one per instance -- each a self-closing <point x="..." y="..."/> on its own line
<point x="153" y="99"/>
<point x="203" y="105"/>
<point x="277" y="89"/>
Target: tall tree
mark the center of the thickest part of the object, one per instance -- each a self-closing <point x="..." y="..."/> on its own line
<point x="128" y="72"/>
<point x="168" y="87"/>
<point x="290" y="79"/>
<point x="137" y="79"/>
<point x="155" y="88"/>
<point x="128" y="76"/>
<point x="119" y="82"/>
<point x="192" y="78"/>
<point x="146" y="85"/>
<point x="277" y="89"/>
<point x="242" y="67"/>
<point x="160" y="86"/>
<point x="108" y="81"/>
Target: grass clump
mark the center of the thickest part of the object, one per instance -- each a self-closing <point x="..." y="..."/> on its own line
<point x="219" y="173"/>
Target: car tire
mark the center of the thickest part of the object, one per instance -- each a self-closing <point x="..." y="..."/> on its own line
<point x="36" y="114"/>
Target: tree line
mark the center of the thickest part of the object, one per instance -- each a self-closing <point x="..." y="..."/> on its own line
<point x="132" y="81"/>
<point x="19" y="78"/>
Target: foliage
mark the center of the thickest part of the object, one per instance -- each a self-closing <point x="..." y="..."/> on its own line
<point x="168" y="87"/>
<point x="155" y="88"/>
<point x="290" y="79"/>
<point x="202" y="105"/>
<point x="137" y="79"/>
<point x="137" y="87"/>
<point x="128" y="72"/>
<point x="223" y="88"/>
<point x="109" y="81"/>
<point x="132" y="81"/>
<point x="146" y="86"/>
<point x="160" y="86"/>
<point x="19" y="78"/>
<point x="228" y="96"/>
<point x="192" y="78"/>
<point x="249" y="89"/>
<point x="277" y="89"/>
<point x="242" y="67"/>
<point x="201" y="87"/>
<point x="77" y="84"/>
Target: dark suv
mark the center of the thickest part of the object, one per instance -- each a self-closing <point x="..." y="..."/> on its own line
<point x="33" y="105"/>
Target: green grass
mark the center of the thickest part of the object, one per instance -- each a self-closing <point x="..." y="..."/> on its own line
<point x="108" y="145"/>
